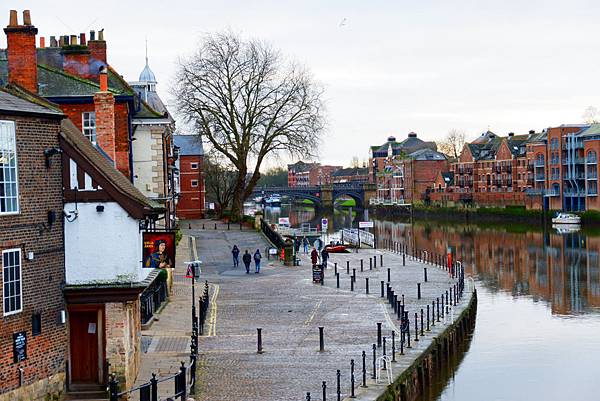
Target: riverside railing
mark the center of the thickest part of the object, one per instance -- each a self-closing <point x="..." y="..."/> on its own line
<point x="271" y="234"/>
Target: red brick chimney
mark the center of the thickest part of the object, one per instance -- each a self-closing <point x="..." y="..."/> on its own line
<point x="76" y="58"/>
<point x="21" y="52"/>
<point x="97" y="47"/>
<point x="104" y="104"/>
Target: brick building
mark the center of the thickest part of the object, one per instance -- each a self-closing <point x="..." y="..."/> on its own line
<point x="301" y="174"/>
<point x="190" y="182"/>
<point x="68" y="72"/>
<point x="351" y="174"/>
<point x="32" y="249"/>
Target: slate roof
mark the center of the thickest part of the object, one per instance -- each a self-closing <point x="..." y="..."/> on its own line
<point x="351" y="171"/>
<point x="427" y="154"/>
<point x="301" y="166"/>
<point x="408" y="145"/>
<point x="189" y="145"/>
<point x="14" y="100"/>
<point x="592" y="130"/>
<point x="71" y="134"/>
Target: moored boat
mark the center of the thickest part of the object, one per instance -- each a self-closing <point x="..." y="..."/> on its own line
<point x="336" y="248"/>
<point x="566" y="218"/>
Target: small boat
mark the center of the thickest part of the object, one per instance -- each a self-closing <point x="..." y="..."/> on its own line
<point x="564" y="229"/>
<point x="273" y="200"/>
<point x="336" y="248"/>
<point x="566" y="218"/>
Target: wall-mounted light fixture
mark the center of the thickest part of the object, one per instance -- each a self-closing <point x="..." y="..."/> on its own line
<point x="48" y="153"/>
<point x="100" y="208"/>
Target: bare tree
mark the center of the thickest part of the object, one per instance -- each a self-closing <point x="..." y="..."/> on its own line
<point x="220" y="179"/>
<point x="453" y="143"/>
<point x="590" y="115"/>
<point x="249" y="104"/>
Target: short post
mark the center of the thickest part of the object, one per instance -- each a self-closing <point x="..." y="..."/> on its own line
<point x="428" y="317"/>
<point x="154" y="387"/>
<point x="308" y="396"/>
<point x="338" y="387"/>
<point x="113" y="388"/>
<point x="384" y="353"/>
<point x="382" y="294"/>
<point x="361" y="265"/>
<point x="398" y="308"/>
<point x="352" y="379"/>
<point x="422" y="322"/>
<point x="393" y="346"/>
<point x="375" y="261"/>
<point x="366" y="285"/>
<point x="321" y="340"/>
<point x="433" y="313"/>
<point x="228" y="226"/>
<point x="378" y="334"/>
<point x="403" y="300"/>
<point x="425" y="273"/>
<point x="374" y="358"/>
<point x="337" y="278"/>
<point x="381" y="260"/>
<point x="324" y="385"/>
<point x="182" y="370"/>
<point x="418" y="290"/>
<point x="354" y="274"/>
<point x="403" y="259"/>
<point x="438" y="309"/>
<point x="347" y="267"/>
<point x="215" y="226"/>
<point x="416" y="327"/>
<point x="389" y="274"/>
<point x="260" y="348"/>
<point x="351" y="284"/>
<point x="407" y="330"/>
<point x="370" y="264"/>
<point x="364" y="369"/>
<point x="335" y="267"/>
<point x="442" y="305"/>
<point x="203" y="226"/>
<point x="395" y="301"/>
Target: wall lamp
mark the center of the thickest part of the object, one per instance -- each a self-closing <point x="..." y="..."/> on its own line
<point x="48" y="153"/>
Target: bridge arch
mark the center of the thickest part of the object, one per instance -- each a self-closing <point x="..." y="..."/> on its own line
<point x="358" y="197"/>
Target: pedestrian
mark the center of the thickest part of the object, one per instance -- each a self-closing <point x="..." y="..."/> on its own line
<point x="236" y="256"/>
<point x="247" y="258"/>
<point x="324" y="257"/>
<point x="257" y="258"/>
<point x="305" y="243"/>
<point x="314" y="256"/>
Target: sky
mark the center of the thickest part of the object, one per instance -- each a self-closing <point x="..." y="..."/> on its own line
<point x="387" y="67"/>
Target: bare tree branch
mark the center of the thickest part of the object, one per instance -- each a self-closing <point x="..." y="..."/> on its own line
<point x="453" y="143"/>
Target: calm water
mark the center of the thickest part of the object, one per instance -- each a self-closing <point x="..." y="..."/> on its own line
<point x="537" y="335"/>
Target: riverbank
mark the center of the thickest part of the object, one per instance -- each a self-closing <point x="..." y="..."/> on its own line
<point x="289" y="308"/>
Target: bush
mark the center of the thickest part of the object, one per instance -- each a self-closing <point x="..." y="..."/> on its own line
<point x="590" y="216"/>
<point x="178" y="235"/>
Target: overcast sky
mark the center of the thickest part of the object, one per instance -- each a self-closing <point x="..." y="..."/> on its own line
<point x="388" y="67"/>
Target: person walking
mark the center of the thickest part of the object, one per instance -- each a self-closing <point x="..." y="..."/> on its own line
<point x="305" y="243"/>
<point x="314" y="257"/>
<point x="247" y="258"/>
<point x="324" y="257"/>
<point x="236" y="256"/>
<point x="257" y="258"/>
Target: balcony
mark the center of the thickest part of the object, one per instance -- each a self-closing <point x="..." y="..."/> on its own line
<point x="592" y="192"/>
<point x="539" y="177"/>
<point x="574" y="193"/>
<point x="571" y="145"/>
<point x="574" y="176"/>
<point x="539" y="163"/>
<point x="591" y="160"/>
<point x="534" y="191"/>
<point x="592" y="175"/>
<point x="577" y="160"/>
<point x="551" y="192"/>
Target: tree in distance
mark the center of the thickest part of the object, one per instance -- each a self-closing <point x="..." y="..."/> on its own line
<point x="220" y="178"/>
<point x="248" y="103"/>
<point x="453" y="143"/>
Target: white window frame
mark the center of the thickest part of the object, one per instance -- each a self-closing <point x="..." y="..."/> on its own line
<point x="7" y="128"/>
<point x="85" y="127"/>
<point x="18" y="250"/>
<point x="192" y="183"/>
<point x="194" y="164"/>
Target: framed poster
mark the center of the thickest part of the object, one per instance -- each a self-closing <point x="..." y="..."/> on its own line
<point x="19" y="346"/>
<point x="158" y="249"/>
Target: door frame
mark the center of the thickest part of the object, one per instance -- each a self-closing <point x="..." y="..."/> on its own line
<point x="100" y="324"/>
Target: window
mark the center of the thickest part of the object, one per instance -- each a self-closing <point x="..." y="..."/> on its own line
<point x="9" y="196"/>
<point x="194" y="166"/>
<point x="11" y="275"/>
<point x="194" y="183"/>
<point x="89" y="126"/>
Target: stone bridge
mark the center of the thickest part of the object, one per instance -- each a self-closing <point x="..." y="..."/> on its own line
<point x="325" y="195"/>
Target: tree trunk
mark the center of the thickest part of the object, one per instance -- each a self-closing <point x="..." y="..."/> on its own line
<point x="237" y="204"/>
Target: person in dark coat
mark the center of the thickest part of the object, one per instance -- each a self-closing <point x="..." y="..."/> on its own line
<point x="236" y="256"/>
<point x="247" y="258"/>
<point x="314" y="256"/>
<point x="257" y="258"/>
<point x="324" y="257"/>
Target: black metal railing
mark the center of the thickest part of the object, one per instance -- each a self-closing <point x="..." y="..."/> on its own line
<point x="152" y="298"/>
<point x="271" y="234"/>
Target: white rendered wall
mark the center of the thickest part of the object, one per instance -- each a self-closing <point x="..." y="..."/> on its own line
<point x="147" y="160"/>
<point x="102" y="247"/>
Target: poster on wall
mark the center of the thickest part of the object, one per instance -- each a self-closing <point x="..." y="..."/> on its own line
<point x="158" y="249"/>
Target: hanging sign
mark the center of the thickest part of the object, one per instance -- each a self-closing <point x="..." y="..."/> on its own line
<point x="158" y="249"/>
<point x="365" y="224"/>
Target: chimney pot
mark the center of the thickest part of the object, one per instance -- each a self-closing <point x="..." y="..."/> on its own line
<point x="53" y="41"/>
<point x="92" y="35"/>
<point x="61" y="41"/>
<point x="13" y="18"/>
<point x="66" y="40"/>
<point x="511" y="134"/>
<point x="73" y="40"/>
<point x="532" y="131"/>
<point x="101" y="34"/>
<point x="42" y="42"/>
<point x="103" y="80"/>
<point x="26" y="17"/>
<point x="82" y="41"/>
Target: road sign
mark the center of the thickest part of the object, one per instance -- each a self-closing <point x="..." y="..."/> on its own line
<point x="324" y="224"/>
<point x="365" y="224"/>
<point x="284" y="221"/>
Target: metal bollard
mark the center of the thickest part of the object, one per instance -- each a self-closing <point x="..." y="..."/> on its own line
<point x="338" y="389"/>
<point x="425" y="273"/>
<point x="407" y="330"/>
<point x="351" y="284"/>
<point x="447" y="301"/>
<point x="260" y="348"/>
<point x="418" y="290"/>
<point x="366" y="285"/>
<point x="374" y="358"/>
<point x="381" y="260"/>
<point x="389" y="273"/>
<point x="438" y="309"/>
<point x="379" y="335"/>
<point x="324" y="385"/>
<point x="403" y="259"/>
<point x="384" y="353"/>
<point x="428" y="317"/>
<point x="395" y="302"/>
<point x="442" y="305"/>
<point x="113" y="388"/>
<point x="364" y="369"/>
<point x="308" y="396"/>
<point x="416" y="326"/>
<point x="215" y="226"/>
<point x="337" y="279"/>
<point x="203" y="226"/>
<point x="398" y="309"/>
<point x="335" y="267"/>
<point x="375" y="261"/>
<point x="354" y="274"/>
<point x="393" y="346"/>
<point x="321" y="340"/>
<point x="421" y="322"/>
<point x="361" y="265"/>
<point x="382" y="293"/>
<point x="347" y="267"/>
<point x="352" y="379"/>
<point x="370" y="264"/>
<point x="403" y="300"/>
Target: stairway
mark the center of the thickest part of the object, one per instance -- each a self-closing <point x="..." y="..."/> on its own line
<point x="86" y="392"/>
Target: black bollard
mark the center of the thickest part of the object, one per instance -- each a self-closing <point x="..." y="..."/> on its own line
<point x="375" y="261"/>
<point x="361" y="266"/>
<point x="442" y="305"/>
<point x="393" y="346"/>
<point x="370" y="264"/>
<point x="428" y="317"/>
<point x="347" y="267"/>
<point x="321" y="340"/>
<point x="421" y="322"/>
<point x="337" y="279"/>
<point x="438" y="309"/>
<point x="378" y="335"/>
<point x="403" y="300"/>
<point x="260" y="348"/>
<point x="308" y="396"/>
<point x="447" y="301"/>
<point x="382" y="294"/>
<point x="416" y="326"/>
<point x="364" y="369"/>
<point x="354" y="274"/>
<point x="407" y="330"/>
<point x="215" y="226"/>
<point x="384" y="353"/>
<point x="227" y="226"/>
<point x="335" y="267"/>
<point x="352" y="379"/>
<point x="403" y="259"/>
<point x="366" y="285"/>
<point x="351" y="284"/>
<point x="324" y="385"/>
<point x="374" y="358"/>
<point x="418" y="290"/>
<point x="338" y="389"/>
<point x="395" y="302"/>
<point x="203" y="226"/>
<point x="389" y="273"/>
<point x="425" y="273"/>
<point x="398" y="309"/>
<point x="381" y="260"/>
<point x="387" y="290"/>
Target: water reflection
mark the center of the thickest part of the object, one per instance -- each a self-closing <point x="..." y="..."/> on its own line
<point x="298" y="215"/>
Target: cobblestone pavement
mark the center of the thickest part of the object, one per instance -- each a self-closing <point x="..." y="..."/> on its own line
<point x="289" y="308"/>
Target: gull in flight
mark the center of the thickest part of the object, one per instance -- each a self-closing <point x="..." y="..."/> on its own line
<point x="343" y="23"/>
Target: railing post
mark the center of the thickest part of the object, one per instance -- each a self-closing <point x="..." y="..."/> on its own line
<point x="393" y="346"/>
<point x="321" y="340"/>
<point x="378" y="334"/>
<point x="113" y="388"/>
<point x="183" y="380"/>
<point x="153" y="388"/>
<point x="352" y="378"/>
<point x="324" y="385"/>
<point x="364" y="369"/>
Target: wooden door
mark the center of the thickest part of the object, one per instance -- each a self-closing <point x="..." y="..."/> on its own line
<point x="84" y="346"/>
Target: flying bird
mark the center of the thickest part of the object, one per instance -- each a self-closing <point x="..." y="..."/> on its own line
<point x="343" y="22"/>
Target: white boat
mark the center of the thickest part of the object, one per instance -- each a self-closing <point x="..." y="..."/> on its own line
<point x="258" y="199"/>
<point x="566" y="218"/>
<point x="566" y="228"/>
<point x="274" y="200"/>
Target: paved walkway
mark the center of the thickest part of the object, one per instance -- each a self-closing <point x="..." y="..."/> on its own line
<point x="289" y="308"/>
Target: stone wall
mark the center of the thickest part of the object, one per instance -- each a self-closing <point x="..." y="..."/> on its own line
<point x="123" y="340"/>
<point x="48" y="389"/>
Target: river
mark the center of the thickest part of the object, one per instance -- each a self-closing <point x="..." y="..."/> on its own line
<point x="537" y="335"/>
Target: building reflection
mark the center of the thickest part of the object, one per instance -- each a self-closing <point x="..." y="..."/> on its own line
<point x="562" y="269"/>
